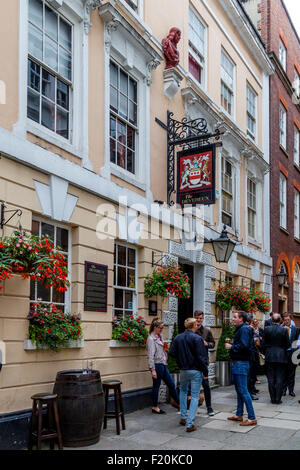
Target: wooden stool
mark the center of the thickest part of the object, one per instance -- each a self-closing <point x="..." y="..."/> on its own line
<point x="39" y="433"/>
<point x="114" y="385"/>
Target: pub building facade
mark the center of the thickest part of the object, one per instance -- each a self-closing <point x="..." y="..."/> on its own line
<point x="84" y="94"/>
<point x="282" y="44"/>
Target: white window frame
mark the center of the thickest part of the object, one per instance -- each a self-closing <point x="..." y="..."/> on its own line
<point x="296" y="289"/>
<point x="252" y="116"/>
<point x="283" y="200"/>
<point x="78" y="146"/>
<point x="252" y="209"/>
<point x="59" y="225"/>
<point x="229" y="191"/>
<point x="282" y="54"/>
<point x="282" y="125"/>
<point x="138" y="12"/>
<point x="296" y="145"/>
<point x="229" y="88"/>
<point x="57" y="75"/>
<point x="199" y="56"/>
<point x="296" y="213"/>
<point x="135" y="290"/>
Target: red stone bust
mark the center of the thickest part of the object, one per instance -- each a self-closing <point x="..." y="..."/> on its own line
<point x="169" y="45"/>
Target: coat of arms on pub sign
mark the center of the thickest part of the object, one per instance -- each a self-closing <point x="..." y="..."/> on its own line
<point x="196" y="176"/>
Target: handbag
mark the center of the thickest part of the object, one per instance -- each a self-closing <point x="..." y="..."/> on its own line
<point x="261" y="359"/>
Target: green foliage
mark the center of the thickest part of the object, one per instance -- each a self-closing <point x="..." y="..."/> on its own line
<point x="223" y="353"/>
<point x="52" y="328"/>
<point x="130" y="330"/>
<point x="172" y="364"/>
<point x="167" y="280"/>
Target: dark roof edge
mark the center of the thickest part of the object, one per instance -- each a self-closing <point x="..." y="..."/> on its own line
<point x="251" y="23"/>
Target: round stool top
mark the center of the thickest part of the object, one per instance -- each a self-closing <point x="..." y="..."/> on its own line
<point x="111" y="382"/>
<point x="44" y="396"/>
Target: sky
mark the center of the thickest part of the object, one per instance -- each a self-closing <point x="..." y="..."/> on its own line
<point x="293" y="7"/>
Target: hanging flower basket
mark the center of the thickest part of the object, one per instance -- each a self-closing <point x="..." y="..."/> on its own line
<point x="261" y="300"/>
<point x="130" y="330"/>
<point x="167" y="280"/>
<point x="230" y="295"/>
<point x="50" y="328"/>
<point x="33" y="258"/>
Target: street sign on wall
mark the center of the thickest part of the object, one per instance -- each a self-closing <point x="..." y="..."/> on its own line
<point x="196" y="175"/>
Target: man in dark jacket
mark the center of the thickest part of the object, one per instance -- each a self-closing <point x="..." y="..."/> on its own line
<point x="269" y="322"/>
<point x="209" y="343"/>
<point x="293" y="332"/>
<point x="189" y="351"/>
<point x="240" y="353"/>
<point x="275" y="344"/>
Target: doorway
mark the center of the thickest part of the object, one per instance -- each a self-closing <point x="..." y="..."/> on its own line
<point x="186" y="306"/>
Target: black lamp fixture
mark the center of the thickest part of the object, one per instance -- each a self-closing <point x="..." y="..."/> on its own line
<point x="281" y="276"/>
<point x="223" y="247"/>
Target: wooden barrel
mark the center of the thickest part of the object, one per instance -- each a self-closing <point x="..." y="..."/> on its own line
<point x="80" y="406"/>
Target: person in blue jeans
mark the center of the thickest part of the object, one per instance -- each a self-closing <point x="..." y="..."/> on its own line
<point x="190" y="353"/>
<point x="240" y="353"/>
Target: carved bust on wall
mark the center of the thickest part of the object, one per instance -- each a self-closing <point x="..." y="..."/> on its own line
<point x="169" y="45"/>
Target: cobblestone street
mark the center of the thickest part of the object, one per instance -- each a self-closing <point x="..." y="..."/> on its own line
<point x="278" y="426"/>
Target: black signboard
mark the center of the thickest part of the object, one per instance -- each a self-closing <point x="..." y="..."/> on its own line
<point x="196" y="176"/>
<point x="95" y="287"/>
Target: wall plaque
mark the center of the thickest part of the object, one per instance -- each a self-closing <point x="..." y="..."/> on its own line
<point x="95" y="287"/>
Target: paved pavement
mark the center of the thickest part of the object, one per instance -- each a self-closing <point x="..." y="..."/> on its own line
<point x="278" y="426"/>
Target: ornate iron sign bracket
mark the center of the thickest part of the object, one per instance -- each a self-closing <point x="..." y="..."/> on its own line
<point x="187" y="134"/>
<point x="3" y="212"/>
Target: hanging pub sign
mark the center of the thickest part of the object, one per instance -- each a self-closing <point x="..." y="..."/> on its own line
<point x="196" y="175"/>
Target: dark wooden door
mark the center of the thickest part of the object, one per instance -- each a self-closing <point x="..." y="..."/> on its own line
<point x="186" y="306"/>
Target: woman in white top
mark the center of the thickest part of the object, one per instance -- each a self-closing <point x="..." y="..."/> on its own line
<point x="157" y="360"/>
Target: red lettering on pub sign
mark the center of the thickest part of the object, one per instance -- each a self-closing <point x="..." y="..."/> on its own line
<point x="196" y="176"/>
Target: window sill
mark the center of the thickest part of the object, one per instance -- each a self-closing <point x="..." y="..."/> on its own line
<point x="29" y="346"/>
<point x="126" y="176"/>
<point x="297" y="166"/>
<point x="297" y="239"/>
<point x="254" y="242"/>
<point x="52" y="138"/>
<point x="284" y="230"/>
<point x="199" y="85"/>
<point x="118" y="344"/>
<point x="284" y="151"/>
<point x="135" y="15"/>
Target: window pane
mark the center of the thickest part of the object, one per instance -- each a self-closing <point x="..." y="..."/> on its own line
<point x="131" y="258"/>
<point x="130" y="138"/>
<point x="128" y="300"/>
<point x="122" y="255"/>
<point x="35" y="42"/>
<point x="121" y="132"/>
<point x="114" y="99"/>
<point x="62" y="123"/>
<point x="121" y="276"/>
<point x="51" y="53"/>
<point x="58" y="297"/>
<point x="34" y="79"/>
<point x="48" y="114"/>
<point x="113" y="74"/>
<point x="33" y="106"/>
<point x="130" y="161"/>
<point x="112" y="127"/>
<point x="65" y="34"/>
<point x="132" y="90"/>
<point x="36" y="12"/>
<point x="51" y="23"/>
<point x="124" y="82"/>
<point x="118" y="298"/>
<point x="112" y="151"/>
<point x="131" y="278"/>
<point x="65" y="63"/>
<point x="48" y="85"/>
<point x="35" y="227"/>
<point x="43" y="293"/>
<point x="123" y="111"/>
<point x="121" y="155"/>
<point x="48" y="229"/>
<point x="132" y="112"/>
<point x="62" y="94"/>
<point x="62" y="238"/>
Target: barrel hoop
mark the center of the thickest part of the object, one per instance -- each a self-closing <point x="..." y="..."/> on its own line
<point x="75" y="397"/>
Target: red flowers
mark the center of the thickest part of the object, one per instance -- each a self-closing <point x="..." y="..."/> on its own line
<point x="34" y="258"/>
<point x="167" y="280"/>
<point x="230" y="295"/>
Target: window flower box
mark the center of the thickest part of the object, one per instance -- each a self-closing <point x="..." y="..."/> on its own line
<point x="30" y="346"/>
<point x="119" y="344"/>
